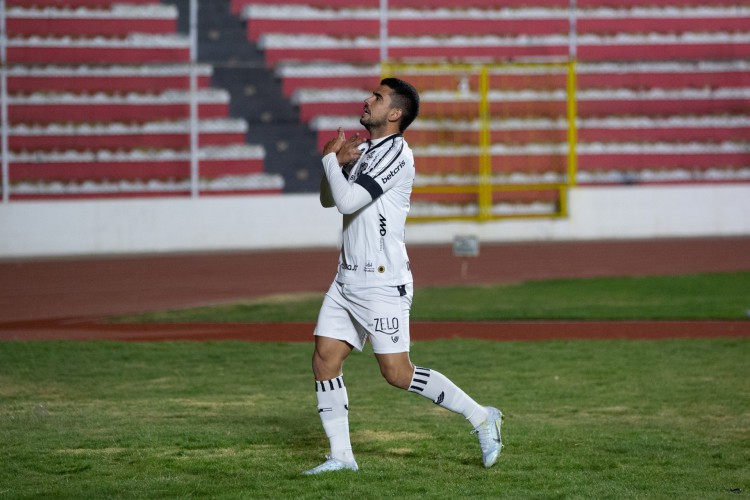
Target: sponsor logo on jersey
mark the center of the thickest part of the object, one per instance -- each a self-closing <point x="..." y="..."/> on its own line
<point x="349" y="267"/>
<point x="388" y="326"/>
<point x="393" y="172"/>
<point x="381" y="269"/>
<point x="383" y="230"/>
<point x="369" y="267"/>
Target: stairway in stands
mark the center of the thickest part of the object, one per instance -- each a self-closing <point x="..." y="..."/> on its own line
<point x="255" y="93"/>
<point x="99" y="107"/>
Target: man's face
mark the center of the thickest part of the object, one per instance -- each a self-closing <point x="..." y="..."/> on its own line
<point x="376" y="108"/>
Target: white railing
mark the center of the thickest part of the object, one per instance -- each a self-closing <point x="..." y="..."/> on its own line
<point x="4" y="124"/>
<point x="194" y="161"/>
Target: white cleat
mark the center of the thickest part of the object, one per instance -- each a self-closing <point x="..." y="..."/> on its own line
<point x="332" y="464"/>
<point x="488" y="433"/>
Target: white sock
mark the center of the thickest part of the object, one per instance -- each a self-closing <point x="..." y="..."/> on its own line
<point x="438" y="388"/>
<point x="333" y="408"/>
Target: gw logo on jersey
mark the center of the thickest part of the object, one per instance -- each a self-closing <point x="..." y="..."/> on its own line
<point x="388" y="326"/>
<point x="393" y="172"/>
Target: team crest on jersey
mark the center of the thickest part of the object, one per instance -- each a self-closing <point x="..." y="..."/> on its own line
<point x="362" y="167"/>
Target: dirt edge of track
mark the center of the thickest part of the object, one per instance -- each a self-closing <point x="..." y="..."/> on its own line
<point x="82" y="329"/>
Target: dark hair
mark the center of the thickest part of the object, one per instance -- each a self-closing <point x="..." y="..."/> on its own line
<point x="404" y="97"/>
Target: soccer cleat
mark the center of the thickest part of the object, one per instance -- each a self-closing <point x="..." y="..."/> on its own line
<point x="332" y="464"/>
<point x="488" y="433"/>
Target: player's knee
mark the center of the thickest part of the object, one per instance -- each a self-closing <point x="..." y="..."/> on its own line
<point x="325" y="366"/>
<point x="321" y="368"/>
<point x="397" y="376"/>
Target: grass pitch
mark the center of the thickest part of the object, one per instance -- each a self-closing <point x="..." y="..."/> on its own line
<point x="602" y="419"/>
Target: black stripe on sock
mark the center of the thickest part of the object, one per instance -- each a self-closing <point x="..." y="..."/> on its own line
<point x="416" y="388"/>
<point x="320" y="385"/>
<point x="420" y="381"/>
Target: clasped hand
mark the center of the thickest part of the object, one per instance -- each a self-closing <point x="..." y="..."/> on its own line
<point x="347" y="150"/>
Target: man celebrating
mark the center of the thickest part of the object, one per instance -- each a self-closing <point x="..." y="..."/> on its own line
<point x="370" y="183"/>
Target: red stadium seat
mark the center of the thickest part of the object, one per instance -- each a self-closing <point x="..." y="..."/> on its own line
<point x="108" y="79"/>
<point x="99" y="106"/>
<point x="115" y="21"/>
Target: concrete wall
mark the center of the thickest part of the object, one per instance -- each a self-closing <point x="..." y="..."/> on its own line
<point x="36" y="229"/>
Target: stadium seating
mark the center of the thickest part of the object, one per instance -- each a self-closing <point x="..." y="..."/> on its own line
<point x="663" y="91"/>
<point x="108" y="78"/>
<point x="663" y="86"/>
<point x="238" y="5"/>
<point x="114" y="21"/>
<point x="120" y="136"/>
<point x="99" y="106"/>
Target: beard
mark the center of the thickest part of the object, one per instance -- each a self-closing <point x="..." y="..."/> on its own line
<point x="371" y="122"/>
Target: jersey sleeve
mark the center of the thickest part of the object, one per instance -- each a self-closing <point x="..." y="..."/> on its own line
<point x="326" y="197"/>
<point x="388" y="171"/>
<point x="348" y="198"/>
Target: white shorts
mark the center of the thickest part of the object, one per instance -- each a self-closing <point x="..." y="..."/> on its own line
<point x="353" y="314"/>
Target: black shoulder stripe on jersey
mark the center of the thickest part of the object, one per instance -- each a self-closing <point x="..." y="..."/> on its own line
<point x="387" y="140"/>
<point x="388" y="158"/>
<point x="370" y="185"/>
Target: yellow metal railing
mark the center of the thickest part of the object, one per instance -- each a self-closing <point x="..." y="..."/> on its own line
<point x="485" y="188"/>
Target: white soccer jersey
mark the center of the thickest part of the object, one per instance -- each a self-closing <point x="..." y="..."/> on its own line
<point x="373" y="250"/>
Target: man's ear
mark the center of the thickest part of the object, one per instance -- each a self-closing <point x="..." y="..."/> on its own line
<point x="394" y="114"/>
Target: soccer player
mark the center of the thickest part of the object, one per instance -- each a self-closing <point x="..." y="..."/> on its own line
<point x="370" y="183"/>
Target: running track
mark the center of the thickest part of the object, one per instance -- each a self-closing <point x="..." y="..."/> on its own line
<point x="67" y="298"/>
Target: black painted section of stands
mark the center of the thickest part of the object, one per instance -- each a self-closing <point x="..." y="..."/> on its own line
<point x="255" y="94"/>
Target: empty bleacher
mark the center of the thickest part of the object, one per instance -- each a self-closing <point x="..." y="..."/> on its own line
<point x="100" y="91"/>
<point x="99" y="106"/>
<point x="663" y="86"/>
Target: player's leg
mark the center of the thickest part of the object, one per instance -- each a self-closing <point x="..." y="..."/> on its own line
<point x="398" y="370"/>
<point x="486" y="420"/>
<point x="333" y="402"/>
<point x="390" y="338"/>
<point x="335" y="338"/>
<point x="328" y="357"/>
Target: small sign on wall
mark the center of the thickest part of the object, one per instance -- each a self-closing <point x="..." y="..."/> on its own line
<point x="464" y="247"/>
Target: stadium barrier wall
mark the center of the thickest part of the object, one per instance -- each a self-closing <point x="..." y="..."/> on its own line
<point x="102" y="227"/>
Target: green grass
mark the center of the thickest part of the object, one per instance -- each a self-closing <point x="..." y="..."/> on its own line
<point x="692" y="297"/>
<point x="602" y="419"/>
